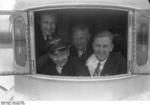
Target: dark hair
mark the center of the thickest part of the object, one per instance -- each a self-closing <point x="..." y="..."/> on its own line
<point x="104" y="33"/>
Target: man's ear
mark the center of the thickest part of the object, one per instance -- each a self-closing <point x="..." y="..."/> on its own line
<point x="112" y="47"/>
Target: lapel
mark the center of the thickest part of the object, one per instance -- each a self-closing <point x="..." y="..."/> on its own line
<point x="55" y="72"/>
<point x="66" y="69"/>
<point x="109" y="67"/>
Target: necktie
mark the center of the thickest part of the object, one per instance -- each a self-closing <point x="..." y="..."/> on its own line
<point x="97" y="70"/>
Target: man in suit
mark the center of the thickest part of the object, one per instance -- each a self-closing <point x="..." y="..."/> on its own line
<point x="45" y="30"/>
<point x="103" y="61"/>
<point x="62" y="64"/>
<point x="81" y="47"/>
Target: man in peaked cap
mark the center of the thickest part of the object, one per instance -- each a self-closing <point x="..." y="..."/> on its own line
<point x="62" y="64"/>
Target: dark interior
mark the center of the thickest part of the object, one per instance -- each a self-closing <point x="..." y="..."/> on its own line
<point x="97" y="19"/>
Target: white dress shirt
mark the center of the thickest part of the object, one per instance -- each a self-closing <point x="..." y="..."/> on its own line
<point x="92" y="63"/>
<point x="59" y="69"/>
<point x="47" y="37"/>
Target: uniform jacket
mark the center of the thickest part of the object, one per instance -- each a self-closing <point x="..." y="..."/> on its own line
<point x="73" y="67"/>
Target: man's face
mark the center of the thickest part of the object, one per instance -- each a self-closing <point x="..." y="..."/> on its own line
<point x="48" y="24"/>
<point x="80" y="39"/>
<point x="102" y="47"/>
<point x="60" y="58"/>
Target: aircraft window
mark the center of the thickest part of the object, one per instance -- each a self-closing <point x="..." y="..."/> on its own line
<point x="142" y="41"/>
<point x="115" y="21"/>
<point x="20" y="41"/>
<point x="4" y="31"/>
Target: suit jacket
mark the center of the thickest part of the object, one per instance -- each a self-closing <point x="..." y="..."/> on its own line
<point x="40" y="43"/>
<point x="74" y="53"/>
<point x="73" y="67"/>
<point x="42" y="62"/>
<point x="42" y="57"/>
<point x="115" y="64"/>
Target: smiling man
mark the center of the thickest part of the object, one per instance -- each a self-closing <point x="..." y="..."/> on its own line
<point x="104" y="61"/>
<point x="46" y="30"/>
<point x="62" y="64"/>
<point x="81" y="47"/>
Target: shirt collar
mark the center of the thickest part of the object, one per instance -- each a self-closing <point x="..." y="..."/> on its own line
<point x="59" y="69"/>
<point x="46" y="38"/>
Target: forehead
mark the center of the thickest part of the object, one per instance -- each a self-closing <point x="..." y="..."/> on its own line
<point x="102" y="40"/>
<point x="79" y="33"/>
<point x="48" y="17"/>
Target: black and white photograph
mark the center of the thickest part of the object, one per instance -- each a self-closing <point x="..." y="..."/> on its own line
<point x="62" y="50"/>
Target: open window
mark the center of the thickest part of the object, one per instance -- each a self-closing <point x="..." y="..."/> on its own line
<point x="19" y="31"/>
<point x="142" y="45"/>
<point x="114" y="20"/>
